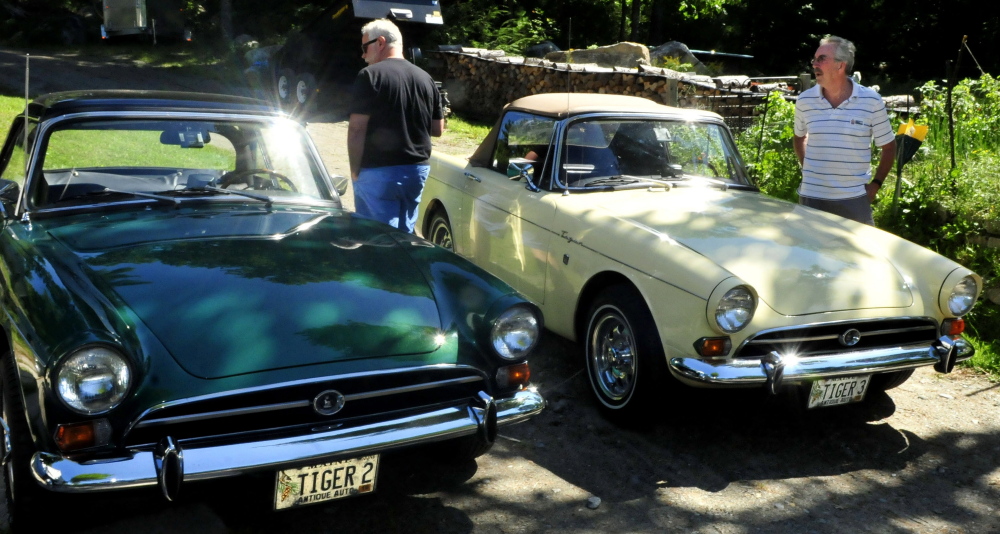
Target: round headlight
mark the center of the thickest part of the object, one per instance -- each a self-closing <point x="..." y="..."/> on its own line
<point x="963" y="296"/>
<point x="93" y="380"/>
<point x="515" y="332"/>
<point x="735" y="309"/>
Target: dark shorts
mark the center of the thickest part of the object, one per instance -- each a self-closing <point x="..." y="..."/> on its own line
<point x="857" y="209"/>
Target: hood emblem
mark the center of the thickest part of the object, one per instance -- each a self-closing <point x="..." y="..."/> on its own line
<point x="850" y="338"/>
<point x="328" y="402"/>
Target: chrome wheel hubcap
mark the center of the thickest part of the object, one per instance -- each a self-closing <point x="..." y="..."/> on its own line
<point x="612" y="357"/>
<point x="283" y="88"/>
<point x="441" y="235"/>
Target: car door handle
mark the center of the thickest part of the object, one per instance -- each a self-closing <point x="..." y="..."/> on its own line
<point x="471" y="176"/>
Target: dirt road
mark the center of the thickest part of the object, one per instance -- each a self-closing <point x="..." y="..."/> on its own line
<point x="924" y="458"/>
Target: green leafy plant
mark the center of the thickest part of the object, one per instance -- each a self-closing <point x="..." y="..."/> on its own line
<point x="673" y="63"/>
<point x="767" y="148"/>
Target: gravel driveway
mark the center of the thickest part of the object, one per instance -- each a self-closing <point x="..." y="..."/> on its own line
<point x="924" y="458"/>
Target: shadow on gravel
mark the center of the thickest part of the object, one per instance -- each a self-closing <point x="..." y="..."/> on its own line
<point x="246" y="504"/>
<point x="747" y="443"/>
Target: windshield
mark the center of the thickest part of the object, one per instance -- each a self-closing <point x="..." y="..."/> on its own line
<point x="601" y="152"/>
<point x="94" y="161"/>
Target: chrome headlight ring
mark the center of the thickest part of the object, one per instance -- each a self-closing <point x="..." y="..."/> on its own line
<point x="515" y="332"/>
<point x="93" y="380"/>
<point x="731" y="306"/>
<point x="959" y="293"/>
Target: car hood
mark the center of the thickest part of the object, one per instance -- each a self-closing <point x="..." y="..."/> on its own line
<point x="248" y="291"/>
<point x="800" y="261"/>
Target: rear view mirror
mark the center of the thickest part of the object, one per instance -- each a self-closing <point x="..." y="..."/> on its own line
<point x="186" y="137"/>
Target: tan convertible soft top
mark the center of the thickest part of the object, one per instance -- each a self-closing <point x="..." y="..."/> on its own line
<point x="566" y="104"/>
<point x="562" y="105"/>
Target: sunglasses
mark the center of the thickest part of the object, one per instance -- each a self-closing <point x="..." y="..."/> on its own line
<point x="364" y="46"/>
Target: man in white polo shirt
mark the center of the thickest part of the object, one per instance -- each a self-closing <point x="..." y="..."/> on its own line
<point x="835" y="124"/>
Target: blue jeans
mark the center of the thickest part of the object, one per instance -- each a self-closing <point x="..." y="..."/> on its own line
<point x="391" y="194"/>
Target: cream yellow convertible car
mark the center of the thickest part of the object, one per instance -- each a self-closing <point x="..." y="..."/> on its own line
<point x="636" y="229"/>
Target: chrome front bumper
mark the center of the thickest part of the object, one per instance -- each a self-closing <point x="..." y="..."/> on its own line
<point x="168" y="468"/>
<point x="775" y="368"/>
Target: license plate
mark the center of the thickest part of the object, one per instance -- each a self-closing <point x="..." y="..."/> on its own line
<point x="309" y="485"/>
<point x="836" y="391"/>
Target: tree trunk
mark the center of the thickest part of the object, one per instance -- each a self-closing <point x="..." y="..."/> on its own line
<point x="657" y="23"/>
<point x="621" y="23"/>
<point x="636" y="16"/>
<point x="226" y="19"/>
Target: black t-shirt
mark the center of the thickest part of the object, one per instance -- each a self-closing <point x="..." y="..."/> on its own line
<point x="400" y="100"/>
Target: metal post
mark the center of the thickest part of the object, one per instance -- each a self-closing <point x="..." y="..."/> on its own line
<point x="899" y="180"/>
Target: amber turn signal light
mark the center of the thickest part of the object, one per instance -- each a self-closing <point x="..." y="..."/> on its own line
<point x="952" y="327"/>
<point x="713" y="346"/>
<point x="514" y="375"/>
<point x="77" y="436"/>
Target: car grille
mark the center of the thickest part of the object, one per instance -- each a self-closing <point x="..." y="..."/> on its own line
<point x="820" y="339"/>
<point x="287" y="409"/>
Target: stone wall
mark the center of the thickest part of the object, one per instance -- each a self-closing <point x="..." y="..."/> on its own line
<point x="480" y="82"/>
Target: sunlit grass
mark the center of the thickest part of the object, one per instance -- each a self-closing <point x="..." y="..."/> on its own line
<point x="987" y="358"/>
<point x="470" y="129"/>
<point x="100" y="148"/>
<point x="9" y="107"/>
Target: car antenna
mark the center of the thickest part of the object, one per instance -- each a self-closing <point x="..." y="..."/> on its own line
<point x="27" y="71"/>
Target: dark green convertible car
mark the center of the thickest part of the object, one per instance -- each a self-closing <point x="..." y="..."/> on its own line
<point x="183" y="299"/>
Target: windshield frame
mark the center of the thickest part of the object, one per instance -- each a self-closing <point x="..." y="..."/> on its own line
<point x="558" y="171"/>
<point x="328" y="195"/>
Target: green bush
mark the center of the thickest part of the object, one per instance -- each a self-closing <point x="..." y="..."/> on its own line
<point x="767" y="148"/>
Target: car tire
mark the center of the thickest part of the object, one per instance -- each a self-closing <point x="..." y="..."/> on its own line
<point x="887" y="381"/>
<point x="21" y="492"/>
<point x="439" y="231"/>
<point x="284" y="83"/>
<point x="624" y="357"/>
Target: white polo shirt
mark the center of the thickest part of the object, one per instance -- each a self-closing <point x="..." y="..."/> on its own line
<point x="838" y="155"/>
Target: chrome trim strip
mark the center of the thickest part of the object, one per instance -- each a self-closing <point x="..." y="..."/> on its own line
<point x="137" y="468"/>
<point x="845" y="322"/>
<point x="303" y="382"/>
<point x="301" y="404"/>
<point x="750" y="372"/>
<point x="409" y="389"/>
<point x="221" y="413"/>
<point x="757" y="341"/>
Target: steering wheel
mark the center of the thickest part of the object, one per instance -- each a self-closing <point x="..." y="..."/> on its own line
<point x="233" y="177"/>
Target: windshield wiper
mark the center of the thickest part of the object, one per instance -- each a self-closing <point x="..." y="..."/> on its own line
<point x="208" y="188"/>
<point x="629" y="179"/>
<point x="109" y="191"/>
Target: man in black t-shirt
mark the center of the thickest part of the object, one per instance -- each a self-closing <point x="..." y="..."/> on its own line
<point x="395" y="109"/>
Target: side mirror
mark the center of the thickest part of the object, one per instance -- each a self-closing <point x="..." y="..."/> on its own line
<point x="10" y="192"/>
<point x="340" y="184"/>
<point x="518" y="168"/>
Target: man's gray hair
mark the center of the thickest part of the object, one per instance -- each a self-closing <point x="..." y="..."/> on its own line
<point x="383" y="28"/>
<point x="844" y="50"/>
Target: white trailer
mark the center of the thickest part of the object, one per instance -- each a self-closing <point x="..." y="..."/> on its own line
<point x="154" y="18"/>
